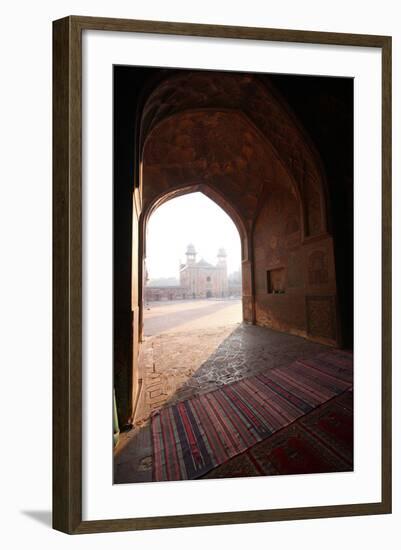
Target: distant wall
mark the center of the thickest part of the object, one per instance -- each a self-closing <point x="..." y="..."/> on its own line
<point x="159" y="293"/>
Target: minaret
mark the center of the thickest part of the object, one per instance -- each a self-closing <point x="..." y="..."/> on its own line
<point x="222" y="257"/>
<point x="190" y="254"/>
<point x="222" y="265"/>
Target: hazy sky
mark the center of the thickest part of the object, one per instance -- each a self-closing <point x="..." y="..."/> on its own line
<point x="192" y="218"/>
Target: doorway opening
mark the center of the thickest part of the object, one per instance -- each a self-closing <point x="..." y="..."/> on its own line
<point x="192" y="295"/>
<point x="193" y="253"/>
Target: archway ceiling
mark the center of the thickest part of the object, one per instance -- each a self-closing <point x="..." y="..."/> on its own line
<point x="220" y="148"/>
<point x="191" y="90"/>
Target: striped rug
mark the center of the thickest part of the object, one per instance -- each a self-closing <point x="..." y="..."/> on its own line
<point x="322" y="441"/>
<point x="192" y="437"/>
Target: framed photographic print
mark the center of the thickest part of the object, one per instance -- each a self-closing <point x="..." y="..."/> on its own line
<point x="222" y="274"/>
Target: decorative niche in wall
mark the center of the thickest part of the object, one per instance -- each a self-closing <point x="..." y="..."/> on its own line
<point x="275" y="281"/>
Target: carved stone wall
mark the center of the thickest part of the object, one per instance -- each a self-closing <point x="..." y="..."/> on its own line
<point x="321" y="290"/>
<point x="278" y="262"/>
<point x="318" y="268"/>
<point x="294" y="277"/>
<point x="321" y="317"/>
<point x="295" y="269"/>
<point x="247" y="292"/>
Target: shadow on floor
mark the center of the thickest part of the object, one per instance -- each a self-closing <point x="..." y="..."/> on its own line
<point x="40" y="516"/>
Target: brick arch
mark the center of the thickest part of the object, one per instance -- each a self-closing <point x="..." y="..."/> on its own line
<point x="232" y="136"/>
<point x="247" y="105"/>
<point x="219" y="148"/>
<point x="223" y="151"/>
<point x="259" y="102"/>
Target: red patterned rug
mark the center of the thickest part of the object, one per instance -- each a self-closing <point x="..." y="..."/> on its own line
<point x="320" y="442"/>
<point x="192" y="437"/>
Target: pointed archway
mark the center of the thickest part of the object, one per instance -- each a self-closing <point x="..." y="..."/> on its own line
<point x="231" y="137"/>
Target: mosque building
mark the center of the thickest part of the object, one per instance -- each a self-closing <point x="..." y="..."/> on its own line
<point x="198" y="279"/>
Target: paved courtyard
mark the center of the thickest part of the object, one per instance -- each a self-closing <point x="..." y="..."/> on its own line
<point x="186" y="315"/>
<point x="192" y="348"/>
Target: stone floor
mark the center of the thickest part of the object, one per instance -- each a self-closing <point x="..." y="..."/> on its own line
<point x="183" y="361"/>
<point x="178" y="365"/>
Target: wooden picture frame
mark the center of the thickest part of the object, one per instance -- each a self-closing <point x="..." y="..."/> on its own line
<point x="67" y="274"/>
